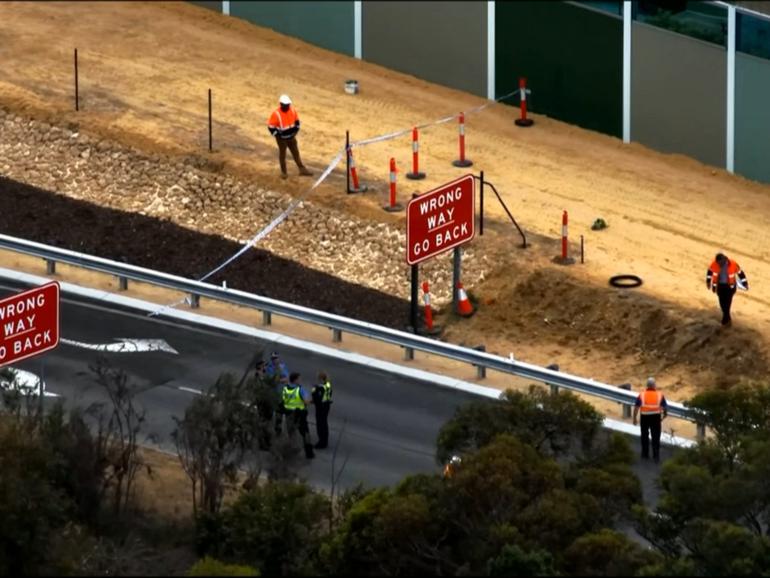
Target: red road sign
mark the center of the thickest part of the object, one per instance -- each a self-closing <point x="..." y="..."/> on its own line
<point x="29" y="323"/>
<point x="440" y="219"/>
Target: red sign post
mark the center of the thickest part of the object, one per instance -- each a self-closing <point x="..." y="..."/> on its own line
<point x="440" y="219"/>
<point x="29" y="323"/>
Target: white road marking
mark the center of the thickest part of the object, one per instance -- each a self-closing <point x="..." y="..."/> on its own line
<point x="125" y="345"/>
<point x="190" y="390"/>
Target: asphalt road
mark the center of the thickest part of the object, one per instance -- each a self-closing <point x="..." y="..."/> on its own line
<point x="391" y="422"/>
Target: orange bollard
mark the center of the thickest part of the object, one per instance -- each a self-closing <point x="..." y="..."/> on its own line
<point x="426" y="301"/>
<point x="462" y="161"/>
<point x="393" y="206"/>
<point x="357" y="187"/>
<point x="415" y="175"/>
<point x="523" y="90"/>
<point x="564" y="244"/>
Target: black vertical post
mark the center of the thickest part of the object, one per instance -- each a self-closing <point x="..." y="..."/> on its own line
<point x="77" y="88"/>
<point x="456" y="260"/>
<point x="210" y="140"/>
<point x="481" y="205"/>
<point x="347" y="161"/>
<point x="414" y="309"/>
<point x="581" y="249"/>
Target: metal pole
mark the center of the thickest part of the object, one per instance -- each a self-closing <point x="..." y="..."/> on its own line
<point x="481" y="205"/>
<point x="77" y="88"/>
<point x="456" y="260"/>
<point x="210" y="140"/>
<point x="347" y="161"/>
<point x="582" y="260"/>
<point x="414" y="304"/>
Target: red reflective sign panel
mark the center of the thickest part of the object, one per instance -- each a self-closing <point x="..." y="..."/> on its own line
<point x="29" y="323"/>
<point x="440" y="219"/>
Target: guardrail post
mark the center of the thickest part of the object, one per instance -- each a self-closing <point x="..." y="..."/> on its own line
<point x="700" y="432"/>
<point x="481" y="371"/>
<point x="408" y="354"/>
<point x="267" y="318"/>
<point x="123" y="283"/>
<point x="195" y="301"/>
<point x="336" y="335"/>
<point x="553" y="386"/>
<point x="50" y="266"/>
<point x="626" y="407"/>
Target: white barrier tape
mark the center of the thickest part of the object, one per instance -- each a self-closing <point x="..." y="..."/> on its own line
<point x="279" y="219"/>
<point x="265" y="231"/>
<point x="393" y="135"/>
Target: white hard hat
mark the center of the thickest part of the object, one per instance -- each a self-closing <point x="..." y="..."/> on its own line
<point x="284" y="99"/>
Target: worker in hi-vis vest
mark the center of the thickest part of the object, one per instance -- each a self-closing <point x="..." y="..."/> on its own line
<point x="322" y="399"/>
<point x="295" y="401"/>
<point x="283" y="124"/>
<point x="723" y="277"/>
<point x="652" y="405"/>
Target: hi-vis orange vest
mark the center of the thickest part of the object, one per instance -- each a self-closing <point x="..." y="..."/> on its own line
<point x="651" y="399"/>
<point x="284" y="122"/>
<point x="732" y="271"/>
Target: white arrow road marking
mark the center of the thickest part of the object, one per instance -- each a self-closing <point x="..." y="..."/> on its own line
<point x="125" y="345"/>
<point x="26" y="382"/>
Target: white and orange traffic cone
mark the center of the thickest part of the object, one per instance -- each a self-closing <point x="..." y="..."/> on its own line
<point x="464" y="306"/>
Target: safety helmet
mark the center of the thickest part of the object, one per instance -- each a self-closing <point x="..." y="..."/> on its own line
<point x="455" y="460"/>
<point x="284" y="99"/>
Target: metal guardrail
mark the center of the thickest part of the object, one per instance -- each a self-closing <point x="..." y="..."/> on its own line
<point x="336" y="323"/>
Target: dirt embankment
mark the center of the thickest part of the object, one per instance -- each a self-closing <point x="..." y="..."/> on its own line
<point x="196" y="193"/>
<point x="624" y="330"/>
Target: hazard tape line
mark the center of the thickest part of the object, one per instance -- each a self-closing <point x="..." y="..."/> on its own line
<point x="399" y="133"/>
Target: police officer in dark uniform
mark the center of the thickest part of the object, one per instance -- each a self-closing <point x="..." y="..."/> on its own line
<point x="322" y="399"/>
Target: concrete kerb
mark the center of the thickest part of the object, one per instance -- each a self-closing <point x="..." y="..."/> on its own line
<point x="348" y="356"/>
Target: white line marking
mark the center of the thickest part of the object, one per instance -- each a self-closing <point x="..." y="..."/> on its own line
<point x="441" y="226"/>
<point x="190" y="390"/>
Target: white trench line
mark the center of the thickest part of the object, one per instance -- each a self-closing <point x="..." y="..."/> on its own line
<point x="125" y="345"/>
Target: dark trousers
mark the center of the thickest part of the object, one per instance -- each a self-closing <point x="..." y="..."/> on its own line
<point x="322" y="422"/>
<point x="725" y="294"/>
<point x="651" y="424"/>
<point x="291" y="144"/>
<point x="296" y="420"/>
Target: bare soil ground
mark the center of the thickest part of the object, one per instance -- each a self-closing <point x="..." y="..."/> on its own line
<point x="145" y="69"/>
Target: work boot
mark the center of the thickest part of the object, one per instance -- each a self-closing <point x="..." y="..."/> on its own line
<point x="305" y="172"/>
<point x="284" y="176"/>
<point x="309" y="453"/>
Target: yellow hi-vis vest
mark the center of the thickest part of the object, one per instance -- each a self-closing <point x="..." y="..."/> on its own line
<point x="327" y="397"/>
<point x="292" y="398"/>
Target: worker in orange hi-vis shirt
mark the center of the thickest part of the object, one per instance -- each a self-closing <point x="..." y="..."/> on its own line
<point x="284" y="126"/>
<point x="723" y="277"/>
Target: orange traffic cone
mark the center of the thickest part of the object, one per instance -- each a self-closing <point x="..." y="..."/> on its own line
<point x="464" y="306"/>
